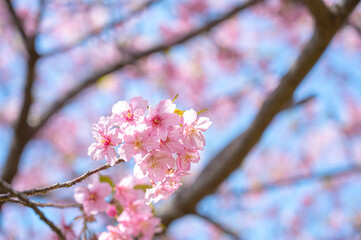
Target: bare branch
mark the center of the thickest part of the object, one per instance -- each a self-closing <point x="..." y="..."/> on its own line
<point x="96" y="32"/>
<point x="19" y="25"/>
<point x="40" y="204"/>
<point x="218" y="225"/>
<point x="293" y="103"/>
<point x="44" y="190"/>
<point x="135" y="57"/>
<point x="319" y="10"/>
<point x="6" y="187"/>
<point x="233" y="155"/>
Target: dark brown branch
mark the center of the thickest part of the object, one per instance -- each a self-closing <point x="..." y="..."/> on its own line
<point x="293" y="103"/>
<point x="6" y="187"/>
<point x="135" y="57"/>
<point x="319" y="10"/>
<point x="19" y="25"/>
<point x="54" y="205"/>
<point x="44" y="190"/>
<point x="218" y="225"/>
<point x="233" y="155"/>
<point x="97" y="31"/>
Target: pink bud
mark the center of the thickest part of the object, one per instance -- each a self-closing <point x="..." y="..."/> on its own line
<point x="112" y="211"/>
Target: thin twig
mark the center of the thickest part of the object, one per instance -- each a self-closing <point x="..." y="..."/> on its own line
<point x="43" y="190"/>
<point x="19" y="25"/>
<point x="218" y="225"/>
<point x="54" y="205"/>
<point x="6" y="187"/>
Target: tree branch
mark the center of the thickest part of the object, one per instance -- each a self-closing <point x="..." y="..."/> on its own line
<point x="96" y="32"/>
<point x="6" y="187"/>
<point x="233" y="155"/>
<point x="19" y="25"/>
<point x="319" y="10"/>
<point x="44" y="190"/>
<point x="54" y="205"/>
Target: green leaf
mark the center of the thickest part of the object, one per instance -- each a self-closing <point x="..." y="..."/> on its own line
<point x="106" y="179"/>
<point x="143" y="187"/>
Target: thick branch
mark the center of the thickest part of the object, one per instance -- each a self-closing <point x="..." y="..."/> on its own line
<point x="6" y="187"/>
<point x="136" y="56"/>
<point x="233" y="155"/>
<point x="43" y="190"/>
<point x="319" y="10"/>
<point x="97" y="31"/>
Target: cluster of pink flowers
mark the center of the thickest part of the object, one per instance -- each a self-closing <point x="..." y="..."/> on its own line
<point x="127" y="205"/>
<point x="162" y="140"/>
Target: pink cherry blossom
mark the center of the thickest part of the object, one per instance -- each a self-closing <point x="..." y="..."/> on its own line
<point x="93" y="197"/>
<point x="137" y="144"/>
<point x="115" y="233"/>
<point x="129" y="113"/>
<point x="148" y="227"/>
<point x="125" y="192"/>
<point x="155" y="165"/>
<point x="184" y="159"/>
<point x="192" y="135"/>
<point x="172" y="143"/>
<point x="112" y="211"/>
<point x="161" y="117"/>
<point x="107" y="137"/>
<point x="165" y="188"/>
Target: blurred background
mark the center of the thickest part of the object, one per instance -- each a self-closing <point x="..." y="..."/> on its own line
<point x="64" y="63"/>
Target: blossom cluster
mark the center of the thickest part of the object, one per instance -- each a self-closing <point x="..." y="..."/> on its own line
<point x="162" y="140"/>
<point x="127" y="205"/>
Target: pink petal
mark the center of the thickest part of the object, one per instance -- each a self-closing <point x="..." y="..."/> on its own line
<point x="120" y="107"/>
<point x="189" y="116"/>
<point x="203" y="123"/>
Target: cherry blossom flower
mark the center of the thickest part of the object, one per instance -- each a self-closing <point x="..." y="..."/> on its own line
<point x="115" y="233"/>
<point x="129" y="114"/>
<point x="154" y="165"/>
<point x="166" y="187"/>
<point x="107" y="138"/>
<point x="93" y="197"/>
<point x="137" y="144"/>
<point x="161" y="117"/>
<point x="184" y="159"/>
<point x="192" y="135"/>
<point x="125" y="192"/>
<point x="172" y="143"/>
